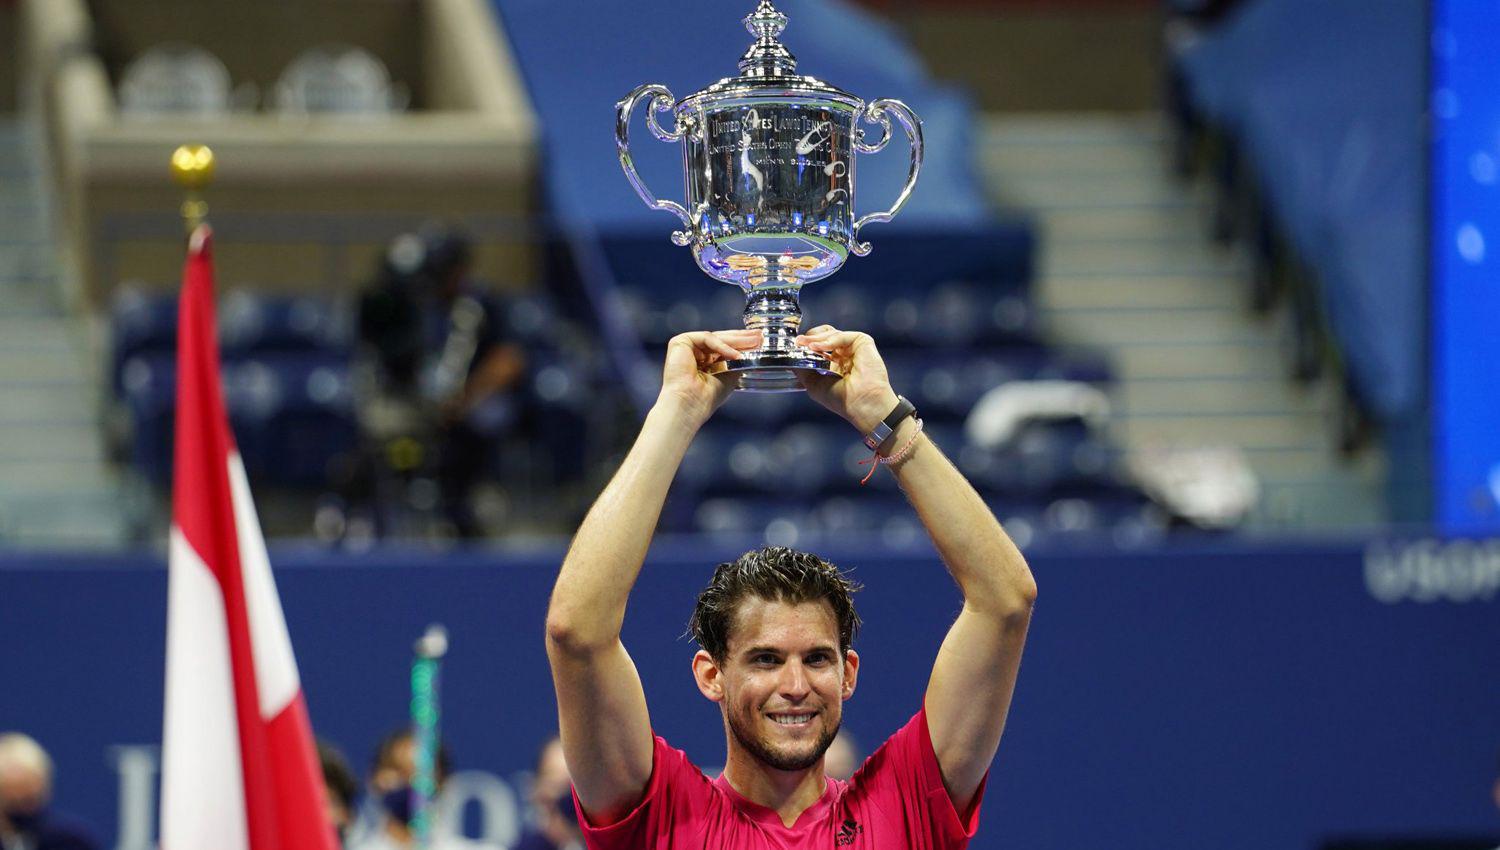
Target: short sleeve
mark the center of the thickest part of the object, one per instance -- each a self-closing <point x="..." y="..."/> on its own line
<point x="900" y="787"/>
<point x="675" y="807"/>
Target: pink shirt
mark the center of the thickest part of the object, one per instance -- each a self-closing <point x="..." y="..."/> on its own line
<point x="896" y="801"/>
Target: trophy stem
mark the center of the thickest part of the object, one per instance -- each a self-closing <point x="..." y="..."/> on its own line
<point x="776" y="313"/>
<point x="779" y="364"/>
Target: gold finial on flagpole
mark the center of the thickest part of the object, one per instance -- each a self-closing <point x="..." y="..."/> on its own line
<point x="193" y="169"/>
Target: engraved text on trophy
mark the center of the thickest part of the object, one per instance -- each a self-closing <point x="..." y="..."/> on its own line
<point x="774" y="200"/>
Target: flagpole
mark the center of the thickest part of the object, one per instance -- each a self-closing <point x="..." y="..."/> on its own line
<point x="193" y="169"/>
<point x="425" y="690"/>
<point x="239" y="766"/>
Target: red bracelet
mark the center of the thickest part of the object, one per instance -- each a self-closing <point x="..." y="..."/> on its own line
<point x="876" y="460"/>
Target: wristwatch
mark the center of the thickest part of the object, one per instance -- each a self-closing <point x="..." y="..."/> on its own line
<point x="882" y="432"/>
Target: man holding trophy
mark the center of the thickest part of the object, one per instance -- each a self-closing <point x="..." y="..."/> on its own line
<point x="775" y="628"/>
<point x="769" y="175"/>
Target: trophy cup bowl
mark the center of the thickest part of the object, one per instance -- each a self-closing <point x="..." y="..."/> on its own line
<point x="769" y="171"/>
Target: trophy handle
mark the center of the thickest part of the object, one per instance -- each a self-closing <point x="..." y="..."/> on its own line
<point x="876" y="113"/>
<point x="661" y="101"/>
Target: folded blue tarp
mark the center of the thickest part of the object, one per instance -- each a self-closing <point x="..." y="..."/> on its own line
<point x="1326" y="100"/>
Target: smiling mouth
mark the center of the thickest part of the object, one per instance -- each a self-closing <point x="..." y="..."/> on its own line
<point x="792" y="720"/>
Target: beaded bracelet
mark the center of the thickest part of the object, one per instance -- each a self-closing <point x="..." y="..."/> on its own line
<point x="876" y="460"/>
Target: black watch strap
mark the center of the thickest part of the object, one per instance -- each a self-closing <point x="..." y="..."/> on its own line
<point x="882" y="432"/>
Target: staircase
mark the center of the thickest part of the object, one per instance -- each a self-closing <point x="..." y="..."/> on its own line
<point x="57" y="489"/>
<point x="1127" y="267"/>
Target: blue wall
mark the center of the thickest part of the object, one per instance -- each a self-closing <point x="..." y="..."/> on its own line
<point x="1227" y="698"/>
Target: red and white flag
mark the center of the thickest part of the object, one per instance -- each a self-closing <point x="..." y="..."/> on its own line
<point x="239" y="769"/>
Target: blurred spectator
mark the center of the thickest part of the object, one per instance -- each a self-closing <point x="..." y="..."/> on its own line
<point x="340" y="788"/>
<point x="442" y="350"/>
<point x="390" y="785"/>
<point x="554" y="823"/>
<point x="842" y="757"/>
<point x="27" y="819"/>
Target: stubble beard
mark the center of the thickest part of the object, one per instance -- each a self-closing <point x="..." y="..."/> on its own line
<point x="766" y="755"/>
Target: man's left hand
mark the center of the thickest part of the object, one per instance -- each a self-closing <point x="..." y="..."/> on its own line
<point x="862" y="394"/>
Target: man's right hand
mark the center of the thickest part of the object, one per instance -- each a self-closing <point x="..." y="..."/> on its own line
<point x="691" y="378"/>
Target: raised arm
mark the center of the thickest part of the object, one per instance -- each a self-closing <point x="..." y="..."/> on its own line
<point x="974" y="676"/>
<point x="606" y="732"/>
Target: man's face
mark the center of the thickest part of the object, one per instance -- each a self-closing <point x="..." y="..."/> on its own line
<point x="783" y="681"/>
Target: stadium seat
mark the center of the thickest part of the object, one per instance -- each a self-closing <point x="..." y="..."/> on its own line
<point x="251" y="323"/>
<point x="175" y="79"/>
<point x="338" y="79"/>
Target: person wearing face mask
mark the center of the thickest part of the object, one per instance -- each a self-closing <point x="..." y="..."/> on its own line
<point x="390" y="787"/>
<point x="27" y="819"/>
<point x="554" y="822"/>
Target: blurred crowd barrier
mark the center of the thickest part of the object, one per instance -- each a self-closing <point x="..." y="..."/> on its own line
<point x="1238" y="696"/>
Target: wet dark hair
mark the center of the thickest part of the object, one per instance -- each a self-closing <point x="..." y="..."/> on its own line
<point x="774" y="573"/>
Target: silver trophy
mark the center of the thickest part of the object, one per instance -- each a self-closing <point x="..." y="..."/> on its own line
<point x="768" y="158"/>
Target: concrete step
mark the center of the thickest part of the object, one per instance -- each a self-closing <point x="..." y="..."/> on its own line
<point x="30" y="300"/>
<point x="1297" y="464"/>
<point x="25" y="260"/>
<point x="63" y="521"/>
<point x="25" y="478"/>
<point x="28" y="230"/>
<point x="1196" y="397"/>
<point x="1073" y="129"/>
<point x="1099" y="157"/>
<point x="19" y="188"/>
<point x="44" y="358"/>
<point x="1110" y="327"/>
<point x="63" y="345"/>
<point x="1138" y="258"/>
<point x="18" y="209"/>
<point x="1165" y="224"/>
<point x="11" y="241"/>
<point x="1242" y="359"/>
<point x="75" y="442"/>
<point x="1258" y="431"/>
<point x="31" y="369"/>
<point x="43" y="404"/>
<point x="40" y="334"/>
<point x="1137" y="292"/>
<point x="1086" y="191"/>
<point x="1355" y="506"/>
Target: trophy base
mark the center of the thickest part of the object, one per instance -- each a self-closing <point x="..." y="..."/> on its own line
<point x="775" y="371"/>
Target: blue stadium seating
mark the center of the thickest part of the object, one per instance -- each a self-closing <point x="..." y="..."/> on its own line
<point x="140" y="323"/>
<point x="257" y="324"/>
<point x="286" y="382"/>
<point x="291" y="415"/>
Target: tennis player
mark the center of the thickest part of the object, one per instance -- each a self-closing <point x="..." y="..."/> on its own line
<point x="775" y="629"/>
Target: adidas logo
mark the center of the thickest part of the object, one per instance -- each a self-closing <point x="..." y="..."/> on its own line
<point x="847" y="833"/>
